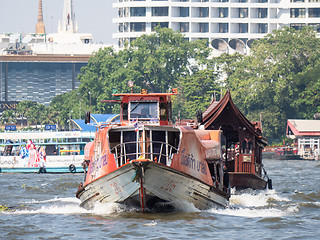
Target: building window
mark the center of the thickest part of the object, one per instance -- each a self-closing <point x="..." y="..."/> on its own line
<point x="243" y="12"/>
<point x="314" y="12"/>
<point x="262" y="28"/>
<point x="314" y="0"/>
<point x="223" y="27"/>
<point x="243" y="27"/>
<point x="262" y="12"/>
<point x="297" y="12"/>
<point x="315" y="26"/>
<point x="161" y="24"/>
<point x="160" y="11"/>
<point x="120" y="13"/>
<point x="203" y="27"/>
<point x="297" y="26"/>
<point x="137" y="11"/>
<point x="137" y="27"/>
<point x="120" y="27"/>
<point x="296" y="0"/>
<point x="126" y="27"/>
<point x="184" y="12"/>
<point x="124" y="12"/>
<point x="203" y="12"/>
<point x="132" y="40"/>
<point x="262" y="1"/>
<point x="223" y="12"/>
<point x="184" y="27"/>
<point x="120" y="42"/>
<point x="223" y="0"/>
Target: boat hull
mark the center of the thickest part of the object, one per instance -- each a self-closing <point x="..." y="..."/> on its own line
<point x="53" y="164"/>
<point x="150" y="186"/>
<point x="246" y="180"/>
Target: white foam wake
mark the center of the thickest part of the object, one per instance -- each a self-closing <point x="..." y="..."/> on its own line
<point x="256" y="204"/>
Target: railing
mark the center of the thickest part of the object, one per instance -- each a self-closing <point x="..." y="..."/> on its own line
<point x="162" y="154"/>
<point x="246" y="167"/>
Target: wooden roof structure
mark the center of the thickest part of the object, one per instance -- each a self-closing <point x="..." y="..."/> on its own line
<point x="225" y="113"/>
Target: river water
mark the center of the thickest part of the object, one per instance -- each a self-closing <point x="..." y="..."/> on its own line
<point x="43" y="206"/>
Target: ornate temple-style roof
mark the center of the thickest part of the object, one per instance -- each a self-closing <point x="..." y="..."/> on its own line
<point x="225" y="112"/>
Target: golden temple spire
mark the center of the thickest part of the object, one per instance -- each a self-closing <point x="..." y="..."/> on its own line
<point x="40" y="29"/>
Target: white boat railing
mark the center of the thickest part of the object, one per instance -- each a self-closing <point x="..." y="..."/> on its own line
<point x="163" y="153"/>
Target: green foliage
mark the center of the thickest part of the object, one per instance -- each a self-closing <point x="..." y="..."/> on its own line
<point x="196" y="92"/>
<point x="280" y="78"/>
<point x="155" y="62"/>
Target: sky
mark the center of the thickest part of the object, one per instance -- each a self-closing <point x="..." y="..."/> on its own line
<point x="92" y="16"/>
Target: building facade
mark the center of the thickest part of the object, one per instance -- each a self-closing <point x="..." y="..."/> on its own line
<point x="228" y="25"/>
<point x="38" y="78"/>
<point x="39" y="66"/>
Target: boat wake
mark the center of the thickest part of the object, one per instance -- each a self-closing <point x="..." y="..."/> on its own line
<point x="257" y="204"/>
<point x="249" y="204"/>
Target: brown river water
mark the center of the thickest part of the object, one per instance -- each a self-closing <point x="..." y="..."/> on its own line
<point x="44" y="206"/>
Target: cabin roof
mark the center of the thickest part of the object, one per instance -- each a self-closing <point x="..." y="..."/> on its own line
<point x="215" y="112"/>
<point x="103" y="118"/>
<point x="303" y="127"/>
<point x="97" y="119"/>
<point x="82" y="126"/>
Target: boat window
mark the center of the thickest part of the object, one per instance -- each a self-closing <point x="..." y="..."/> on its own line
<point x="51" y="150"/>
<point x="130" y="147"/>
<point x="155" y="145"/>
<point x="114" y="139"/>
<point x="169" y="110"/>
<point x="173" y="140"/>
<point x="159" y="149"/>
<point x="144" y="110"/>
<point x="246" y="146"/>
<point x="163" y="111"/>
<point x="125" y="111"/>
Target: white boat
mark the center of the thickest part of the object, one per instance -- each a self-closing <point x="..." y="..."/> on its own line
<point x="52" y="151"/>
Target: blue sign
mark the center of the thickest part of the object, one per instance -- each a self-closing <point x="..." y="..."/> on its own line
<point x="10" y="128"/>
<point x="50" y="127"/>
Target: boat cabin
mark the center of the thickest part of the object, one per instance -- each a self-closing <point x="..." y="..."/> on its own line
<point x="146" y="108"/>
<point x="242" y="149"/>
<point x="146" y="128"/>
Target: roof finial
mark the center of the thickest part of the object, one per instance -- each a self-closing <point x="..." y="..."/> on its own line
<point x="40" y="28"/>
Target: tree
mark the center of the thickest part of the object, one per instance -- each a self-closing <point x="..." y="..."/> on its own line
<point x="276" y="76"/>
<point x="196" y="93"/>
<point x="155" y="62"/>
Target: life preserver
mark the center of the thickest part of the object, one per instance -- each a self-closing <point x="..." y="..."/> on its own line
<point x="72" y="168"/>
<point x="42" y="170"/>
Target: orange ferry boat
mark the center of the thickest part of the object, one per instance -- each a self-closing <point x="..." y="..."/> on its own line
<point x="146" y="161"/>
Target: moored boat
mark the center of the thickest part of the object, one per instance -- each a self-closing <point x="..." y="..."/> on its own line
<point x="43" y="151"/>
<point x="147" y="162"/>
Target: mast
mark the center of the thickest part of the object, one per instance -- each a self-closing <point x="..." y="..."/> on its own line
<point x="40" y="28"/>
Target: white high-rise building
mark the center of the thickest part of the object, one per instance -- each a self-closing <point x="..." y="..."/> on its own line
<point x="228" y="25"/>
